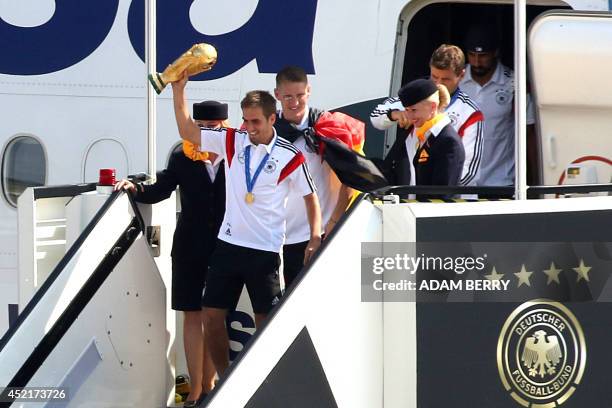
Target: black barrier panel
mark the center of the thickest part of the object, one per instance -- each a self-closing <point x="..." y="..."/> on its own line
<point x="515" y="354"/>
<point x="297" y="380"/>
<point x="457" y="355"/>
<point x="570" y="226"/>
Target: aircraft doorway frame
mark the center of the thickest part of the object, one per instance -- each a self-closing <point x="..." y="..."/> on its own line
<point x="412" y="11"/>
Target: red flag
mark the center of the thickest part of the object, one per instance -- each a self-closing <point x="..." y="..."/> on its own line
<point x="341" y="139"/>
<point x="341" y="127"/>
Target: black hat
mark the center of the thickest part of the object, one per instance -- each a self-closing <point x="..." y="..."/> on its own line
<point x="481" y="38"/>
<point x="416" y="91"/>
<point x="210" y="110"/>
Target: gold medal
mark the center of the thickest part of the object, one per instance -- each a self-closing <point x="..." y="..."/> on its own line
<point x="249" y="198"/>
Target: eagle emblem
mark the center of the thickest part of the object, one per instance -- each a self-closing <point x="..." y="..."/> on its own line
<point x="503" y="96"/>
<point x="541" y="354"/>
<point x="270" y="166"/>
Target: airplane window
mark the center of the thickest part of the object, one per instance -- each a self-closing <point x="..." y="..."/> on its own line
<point x="105" y="154"/>
<point x="24" y="164"/>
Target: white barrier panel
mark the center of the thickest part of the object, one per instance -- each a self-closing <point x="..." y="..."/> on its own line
<point x="400" y="360"/>
<point x="63" y="290"/>
<point x="323" y="346"/>
<point x="113" y="352"/>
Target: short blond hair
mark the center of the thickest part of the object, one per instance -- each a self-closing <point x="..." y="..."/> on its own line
<point x="448" y="56"/>
<point x="441" y="97"/>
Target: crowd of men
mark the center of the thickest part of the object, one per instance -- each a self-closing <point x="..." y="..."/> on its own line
<point x="264" y="191"/>
<point x="481" y="111"/>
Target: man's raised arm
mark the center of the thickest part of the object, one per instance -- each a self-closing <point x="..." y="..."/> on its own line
<point x="188" y="130"/>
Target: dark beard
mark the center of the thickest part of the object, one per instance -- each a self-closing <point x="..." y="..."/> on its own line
<point x="480" y="71"/>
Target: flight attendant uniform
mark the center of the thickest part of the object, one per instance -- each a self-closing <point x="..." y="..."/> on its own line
<point x="438" y="159"/>
<point x="435" y="148"/>
<point x="202" y="194"/>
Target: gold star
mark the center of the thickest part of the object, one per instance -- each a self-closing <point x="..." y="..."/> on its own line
<point x="523" y="277"/>
<point x="582" y="270"/>
<point x="552" y="273"/>
<point x="494" y="275"/>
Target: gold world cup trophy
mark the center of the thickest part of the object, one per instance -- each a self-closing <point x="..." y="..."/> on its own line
<point x="199" y="58"/>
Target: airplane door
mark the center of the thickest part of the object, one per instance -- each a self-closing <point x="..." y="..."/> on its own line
<point x="105" y="154"/>
<point x="570" y="59"/>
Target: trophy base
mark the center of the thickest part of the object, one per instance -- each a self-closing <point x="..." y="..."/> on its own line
<point x="156" y="82"/>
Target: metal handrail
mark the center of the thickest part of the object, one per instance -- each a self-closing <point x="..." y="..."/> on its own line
<point x="494" y="190"/>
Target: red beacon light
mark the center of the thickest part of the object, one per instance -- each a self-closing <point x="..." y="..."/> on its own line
<point x="106" y="181"/>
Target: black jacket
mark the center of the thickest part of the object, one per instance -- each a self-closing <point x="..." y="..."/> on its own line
<point x="202" y="204"/>
<point x="439" y="161"/>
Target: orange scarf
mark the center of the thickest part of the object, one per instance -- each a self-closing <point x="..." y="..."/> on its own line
<point x="420" y="132"/>
<point x="191" y="151"/>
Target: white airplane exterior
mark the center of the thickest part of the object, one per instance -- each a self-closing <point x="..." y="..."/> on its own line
<point x="73" y="87"/>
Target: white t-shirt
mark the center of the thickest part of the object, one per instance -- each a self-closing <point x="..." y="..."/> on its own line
<point x="328" y="188"/>
<point x="495" y="100"/>
<point x="261" y="224"/>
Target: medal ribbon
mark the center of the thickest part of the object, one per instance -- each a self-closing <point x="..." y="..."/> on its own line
<point x="250" y="182"/>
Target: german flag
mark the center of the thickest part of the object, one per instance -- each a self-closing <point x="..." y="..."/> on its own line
<point x="340" y="143"/>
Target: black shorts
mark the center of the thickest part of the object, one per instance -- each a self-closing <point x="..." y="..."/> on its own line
<point x="188" y="277"/>
<point x="293" y="261"/>
<point x="233" y="266"/>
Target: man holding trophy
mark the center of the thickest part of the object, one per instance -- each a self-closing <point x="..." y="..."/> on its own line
<point x="261" y="170"/>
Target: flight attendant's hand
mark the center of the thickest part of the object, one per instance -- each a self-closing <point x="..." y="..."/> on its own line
<point x="125" y="185"/>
